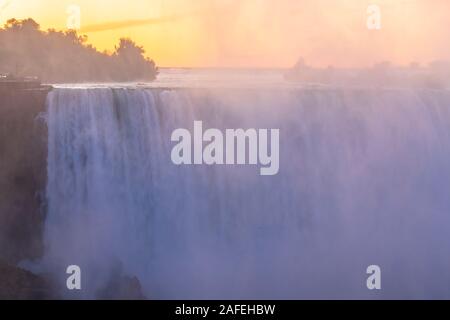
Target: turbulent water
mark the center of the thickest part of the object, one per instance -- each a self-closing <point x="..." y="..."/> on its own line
<point x="364" y="179"/>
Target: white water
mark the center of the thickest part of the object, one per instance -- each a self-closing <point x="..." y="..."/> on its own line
<point x="364" y="179"/>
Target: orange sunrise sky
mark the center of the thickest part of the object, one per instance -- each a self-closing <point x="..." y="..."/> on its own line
<point x="255" y="33"/>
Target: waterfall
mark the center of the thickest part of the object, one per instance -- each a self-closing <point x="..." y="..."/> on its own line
<point x="364" y="179"/>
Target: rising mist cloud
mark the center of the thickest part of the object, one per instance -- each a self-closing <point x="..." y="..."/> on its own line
<point x="261" y="33"/>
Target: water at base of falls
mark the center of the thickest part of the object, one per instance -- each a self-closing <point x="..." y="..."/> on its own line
<point x="364" y="179"/>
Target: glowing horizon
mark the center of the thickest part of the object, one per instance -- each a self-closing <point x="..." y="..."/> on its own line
<point x="255" y="33"/>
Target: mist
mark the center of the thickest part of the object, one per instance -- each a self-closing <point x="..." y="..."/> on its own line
<point x="326" y="33"/>
<point x="260" y="33"/>
<point x="265" y="33"/>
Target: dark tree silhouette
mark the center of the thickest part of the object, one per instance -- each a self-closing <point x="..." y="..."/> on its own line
<point x="57" y="56"/>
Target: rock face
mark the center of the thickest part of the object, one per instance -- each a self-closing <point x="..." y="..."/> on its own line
<point x="122" y="288"/>
<point x="19" y="284"/>
<point x="23" y="153"/>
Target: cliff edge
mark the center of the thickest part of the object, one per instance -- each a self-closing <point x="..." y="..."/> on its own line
<point x="23" y="157"/>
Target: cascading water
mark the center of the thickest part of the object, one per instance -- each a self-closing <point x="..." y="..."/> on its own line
<point x="364" y="179"/>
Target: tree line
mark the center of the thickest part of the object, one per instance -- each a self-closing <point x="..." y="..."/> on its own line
<point x="64" y="56"/>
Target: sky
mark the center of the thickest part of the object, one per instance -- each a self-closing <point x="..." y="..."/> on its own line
<point x="256" y="33"/>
